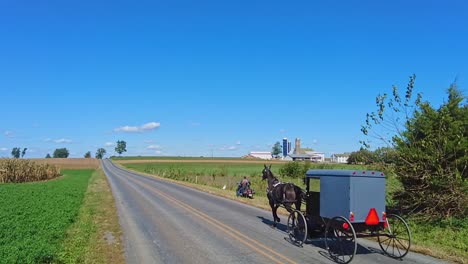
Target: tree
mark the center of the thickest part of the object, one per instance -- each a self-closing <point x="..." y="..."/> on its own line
<point x="23" y="152"/>
<point x="15" y="153"/>
<point x="276" y="150"/>
<point x="61" y="153"/>
<point x="48" y="156"/>
<point x="121" y="147"/>
<point x="431" y="150"/>
<point x="100" y="153"/>
<point x="87" y="155"/>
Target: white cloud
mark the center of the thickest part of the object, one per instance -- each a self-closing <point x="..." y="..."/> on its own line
<point x="158" y="152"/>
<point x="315" y="141"/>
<point x="135" y="129"/>
<point x="228" y="148"/>
<point x="3" y="149"/>
<point x="153" y="147"/>
<point x="63" y="140"/>
<point x="109" y="144"/>
<point x="9" y="134"/>
<point x="47" y="140"/>
<point x="238" y="142"/>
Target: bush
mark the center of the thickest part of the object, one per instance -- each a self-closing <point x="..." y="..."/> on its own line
<point x="295" y="169"/>
<point x="429" y="149"/>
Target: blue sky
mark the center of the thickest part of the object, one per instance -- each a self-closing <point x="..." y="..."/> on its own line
<point x="196" y="78"/>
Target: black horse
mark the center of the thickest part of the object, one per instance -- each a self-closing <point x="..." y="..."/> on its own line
<point x="278" y="193"/>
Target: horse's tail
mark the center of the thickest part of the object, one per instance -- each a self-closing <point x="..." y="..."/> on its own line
<point x="300" y="194"/>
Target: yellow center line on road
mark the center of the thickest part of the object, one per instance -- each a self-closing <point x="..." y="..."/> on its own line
<point x="223" y="227"/>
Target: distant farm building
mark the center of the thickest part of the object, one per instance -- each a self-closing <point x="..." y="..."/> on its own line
<point x="306" y="154"/>
<point x="313" y="156"/>
<point x="266" y="155"/>
<point x="340" y="158"/>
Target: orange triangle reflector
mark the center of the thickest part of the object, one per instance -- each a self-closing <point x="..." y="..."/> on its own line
<point x="372" y="218"/>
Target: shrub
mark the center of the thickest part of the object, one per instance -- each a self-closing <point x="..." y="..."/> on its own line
<point x="295" y="169"/>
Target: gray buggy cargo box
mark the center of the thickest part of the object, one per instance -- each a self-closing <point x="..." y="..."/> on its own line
<point x="345" y="191"/>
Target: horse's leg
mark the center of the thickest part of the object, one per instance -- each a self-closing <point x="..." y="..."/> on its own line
<point x="277" y="219"/>
<point x="273" y="211"/>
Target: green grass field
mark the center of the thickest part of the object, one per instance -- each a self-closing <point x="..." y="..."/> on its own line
<point x="35" y="216"/>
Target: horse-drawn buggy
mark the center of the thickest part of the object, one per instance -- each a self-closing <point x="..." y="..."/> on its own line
<point x="341" y="206"/>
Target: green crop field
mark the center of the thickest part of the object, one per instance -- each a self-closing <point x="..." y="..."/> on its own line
<point x="35" y="216"/>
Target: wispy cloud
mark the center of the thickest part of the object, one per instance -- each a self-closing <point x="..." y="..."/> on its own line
<point x="228" y="148"/>
<point x="138" y="129"/>
<point x="238" y="142"/>
<point x="63" y="141"/>
<point x="3" y="149"/>
<point x="194" y="124"/>
<point x="9" y="134"/>
<point x="109" y="144"/>
<point x="149" y="141"/>
<point x="153" y="147"/>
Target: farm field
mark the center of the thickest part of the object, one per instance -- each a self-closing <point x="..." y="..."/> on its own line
<point x="35" y="217"/>
<point x="446" y="240"/>
<point x="71" y="163"/>
<point x="70" y="219"/>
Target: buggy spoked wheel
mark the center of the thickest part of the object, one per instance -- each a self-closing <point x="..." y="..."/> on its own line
<point x="340" y="239"/>
<point x="395" y="239"/>
<point x="297" y="228"/>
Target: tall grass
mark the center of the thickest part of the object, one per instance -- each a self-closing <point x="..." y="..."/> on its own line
<point x="227" y="175"/>
<point x="20" y="170"/>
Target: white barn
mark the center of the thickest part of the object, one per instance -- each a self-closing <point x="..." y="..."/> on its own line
<point x="266" y="155"/>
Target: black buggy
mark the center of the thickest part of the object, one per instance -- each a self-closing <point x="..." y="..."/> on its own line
<point x="349" y="205"/>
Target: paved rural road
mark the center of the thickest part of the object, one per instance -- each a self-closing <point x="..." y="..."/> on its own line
<point x="164" y="222"/>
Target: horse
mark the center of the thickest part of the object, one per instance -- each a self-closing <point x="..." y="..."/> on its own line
<point x="279" y="193"/>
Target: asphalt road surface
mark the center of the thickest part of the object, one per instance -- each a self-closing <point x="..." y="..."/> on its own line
<point x="164" y="222"/>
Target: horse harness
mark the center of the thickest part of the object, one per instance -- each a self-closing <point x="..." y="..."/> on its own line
<point x="271" y="194"/>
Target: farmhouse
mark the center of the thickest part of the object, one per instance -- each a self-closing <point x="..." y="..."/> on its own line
<point x="340" y="158"/>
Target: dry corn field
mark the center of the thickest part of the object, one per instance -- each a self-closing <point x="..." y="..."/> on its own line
<point x="20" y="170"/>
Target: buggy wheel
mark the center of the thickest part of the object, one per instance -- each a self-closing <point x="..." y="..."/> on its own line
<point x="395" y="239"/>
<point x="340" y="239"/>
<point x="297" y="228"/>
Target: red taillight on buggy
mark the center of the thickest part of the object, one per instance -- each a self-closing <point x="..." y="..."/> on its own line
<point x="345" y="226"/>
<point x="351" y="216"/>
<point x="372" y="218"/>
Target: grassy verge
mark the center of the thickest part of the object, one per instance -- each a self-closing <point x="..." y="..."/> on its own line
<point x="95" y="237"/>
<point x="34" y="217"/>
<point x="446" y="240"/>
